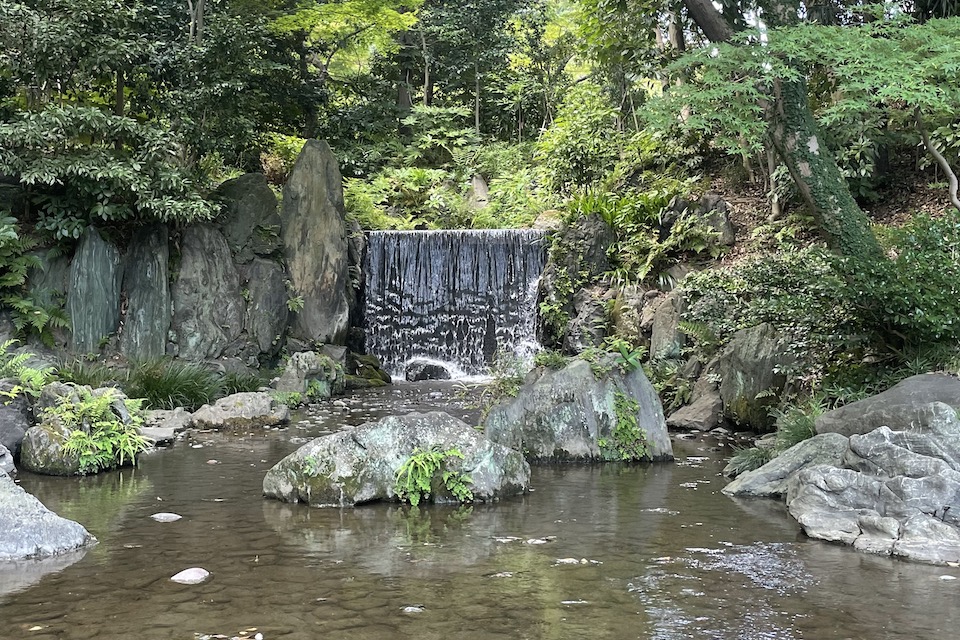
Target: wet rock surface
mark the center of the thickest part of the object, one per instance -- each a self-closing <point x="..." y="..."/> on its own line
<point x="30" y="530"/>
<point x="892" y="491"/>
<point x="241" y="411"/>
<point x="570" y="414"/>
<point x="360" y="465"/>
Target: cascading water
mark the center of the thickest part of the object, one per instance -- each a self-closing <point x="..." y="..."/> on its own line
<point x="454" y="297"/>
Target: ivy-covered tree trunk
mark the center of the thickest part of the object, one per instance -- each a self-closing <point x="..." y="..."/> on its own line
<point x="793" y="133"/>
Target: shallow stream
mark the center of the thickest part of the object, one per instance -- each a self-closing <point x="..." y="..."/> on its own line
<point x="593" y="552"/>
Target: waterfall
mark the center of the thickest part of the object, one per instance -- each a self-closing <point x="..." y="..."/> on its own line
<point x="456" y="297"/>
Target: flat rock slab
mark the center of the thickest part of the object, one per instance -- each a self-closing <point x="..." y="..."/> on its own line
<point x="158" y="435"/>
<point x="30" y="530"/>
<point x="770" y="480"/>
<point x="242" y="411"/>
<point x="900" y="406"/>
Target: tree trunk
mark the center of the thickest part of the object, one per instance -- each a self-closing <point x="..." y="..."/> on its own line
<point x="793" y="133"/>
<point x="427" y="81"/>
<point x="476" y="101"/>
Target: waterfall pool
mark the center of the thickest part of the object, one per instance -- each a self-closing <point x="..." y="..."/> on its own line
<point x="611" y="551"/>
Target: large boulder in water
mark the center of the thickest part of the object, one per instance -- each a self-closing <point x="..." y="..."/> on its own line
<point x="904" y="403"/>
<point x="242" y="411"/>
<point x="892" y="491"/>
<point x="420" y="370"/>
<point x="573" y="414"/>
<point x="360" y="465"/>
<point x="314" y="232"/>
<point x="30" y="530"/>
<point x="311" y="374"/>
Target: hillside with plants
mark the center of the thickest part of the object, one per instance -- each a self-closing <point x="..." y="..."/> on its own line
<point x="830" y="131"/>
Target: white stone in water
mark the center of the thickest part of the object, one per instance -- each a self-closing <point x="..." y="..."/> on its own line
<point x="417" y="608"/>
<point x="948" y="577"/>
<point x="193" y="575"/>
<point x="166" y="517"/>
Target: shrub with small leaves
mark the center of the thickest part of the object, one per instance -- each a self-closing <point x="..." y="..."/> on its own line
<point x="418" y="476"/>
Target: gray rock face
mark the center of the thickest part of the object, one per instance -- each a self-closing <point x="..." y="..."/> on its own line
<point x="14" y="420"/>
<point x="42" y="450"/>
<point x="895" y="492"/>
<point x="242" y="411"/>
<point x="666" y="339"/>
<point x="267" y="312"/>
<point x="571" y="415"/>
<point x="589" y="326"/>
<point x="358" y="466"/>
<point x="94" y="296"/>
<point x="580" y="257"/>
<point x="316" y="245"/>
<point x="703" y="414"/>
<point x="419" y="370"/>
<point x="770" y="480"/>
<point x="30" y="530"/>
<point x="902" y="404"/>
<point x="308" y="368"/>
<point x="6" y="461"/>
<point x="207" y="305"/>
<point x="251" y="221"/>
<point x="750" y="382"/>
<point x="145" y="282"/>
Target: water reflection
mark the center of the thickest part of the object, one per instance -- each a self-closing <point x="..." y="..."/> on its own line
<point x="594" y="552"/>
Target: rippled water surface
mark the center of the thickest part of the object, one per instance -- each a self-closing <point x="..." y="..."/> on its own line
<point x="593" y="552"/>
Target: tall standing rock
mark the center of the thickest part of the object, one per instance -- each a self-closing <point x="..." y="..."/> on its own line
<point x="94" y="296"/>
<point x="207" y="305"/>
<point x="267" y="308"/>
<point x="315" y="245"/>
<point x="251" y="221"/>
<point x="145" y="282"/>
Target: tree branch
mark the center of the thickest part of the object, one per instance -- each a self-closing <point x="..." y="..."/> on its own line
<point x="941" y="161"/>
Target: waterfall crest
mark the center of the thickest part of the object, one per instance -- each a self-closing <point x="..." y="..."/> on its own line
<point x="451" y="296"/>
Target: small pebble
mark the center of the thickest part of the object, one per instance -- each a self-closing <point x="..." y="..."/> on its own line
<point x="213" y="461"/>
<point x="418" y="608"/>
<point x="948" y="577"/>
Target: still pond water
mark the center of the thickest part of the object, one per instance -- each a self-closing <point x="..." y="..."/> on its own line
<point x="593" y="552"/>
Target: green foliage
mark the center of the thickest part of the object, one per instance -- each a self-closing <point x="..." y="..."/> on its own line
<point x="628" y="441"/>
<point x="30" y="314"/>
<point x="673" y="388"/>
<point x="418" y="477"/>
<point x="913" y="299"/>
<point x="240" y="382"/>
<point x="795" y="422"/>
<point x="168" y="384"/>
<point x="583" y="144"/>
<point x="278" y="156"/>
<point x="292" y="399"/>
<point x="99" y="436"/>
<point x="802" y="293"/>
<point x="747" y="459"/>
<point x="508" y="371"/>
<point x="29" y="379"/>
<point x="90" y="373"/>
<point x="550" y="359"/>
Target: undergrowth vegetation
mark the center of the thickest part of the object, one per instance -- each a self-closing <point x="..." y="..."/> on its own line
<point x="427" y="471"/>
